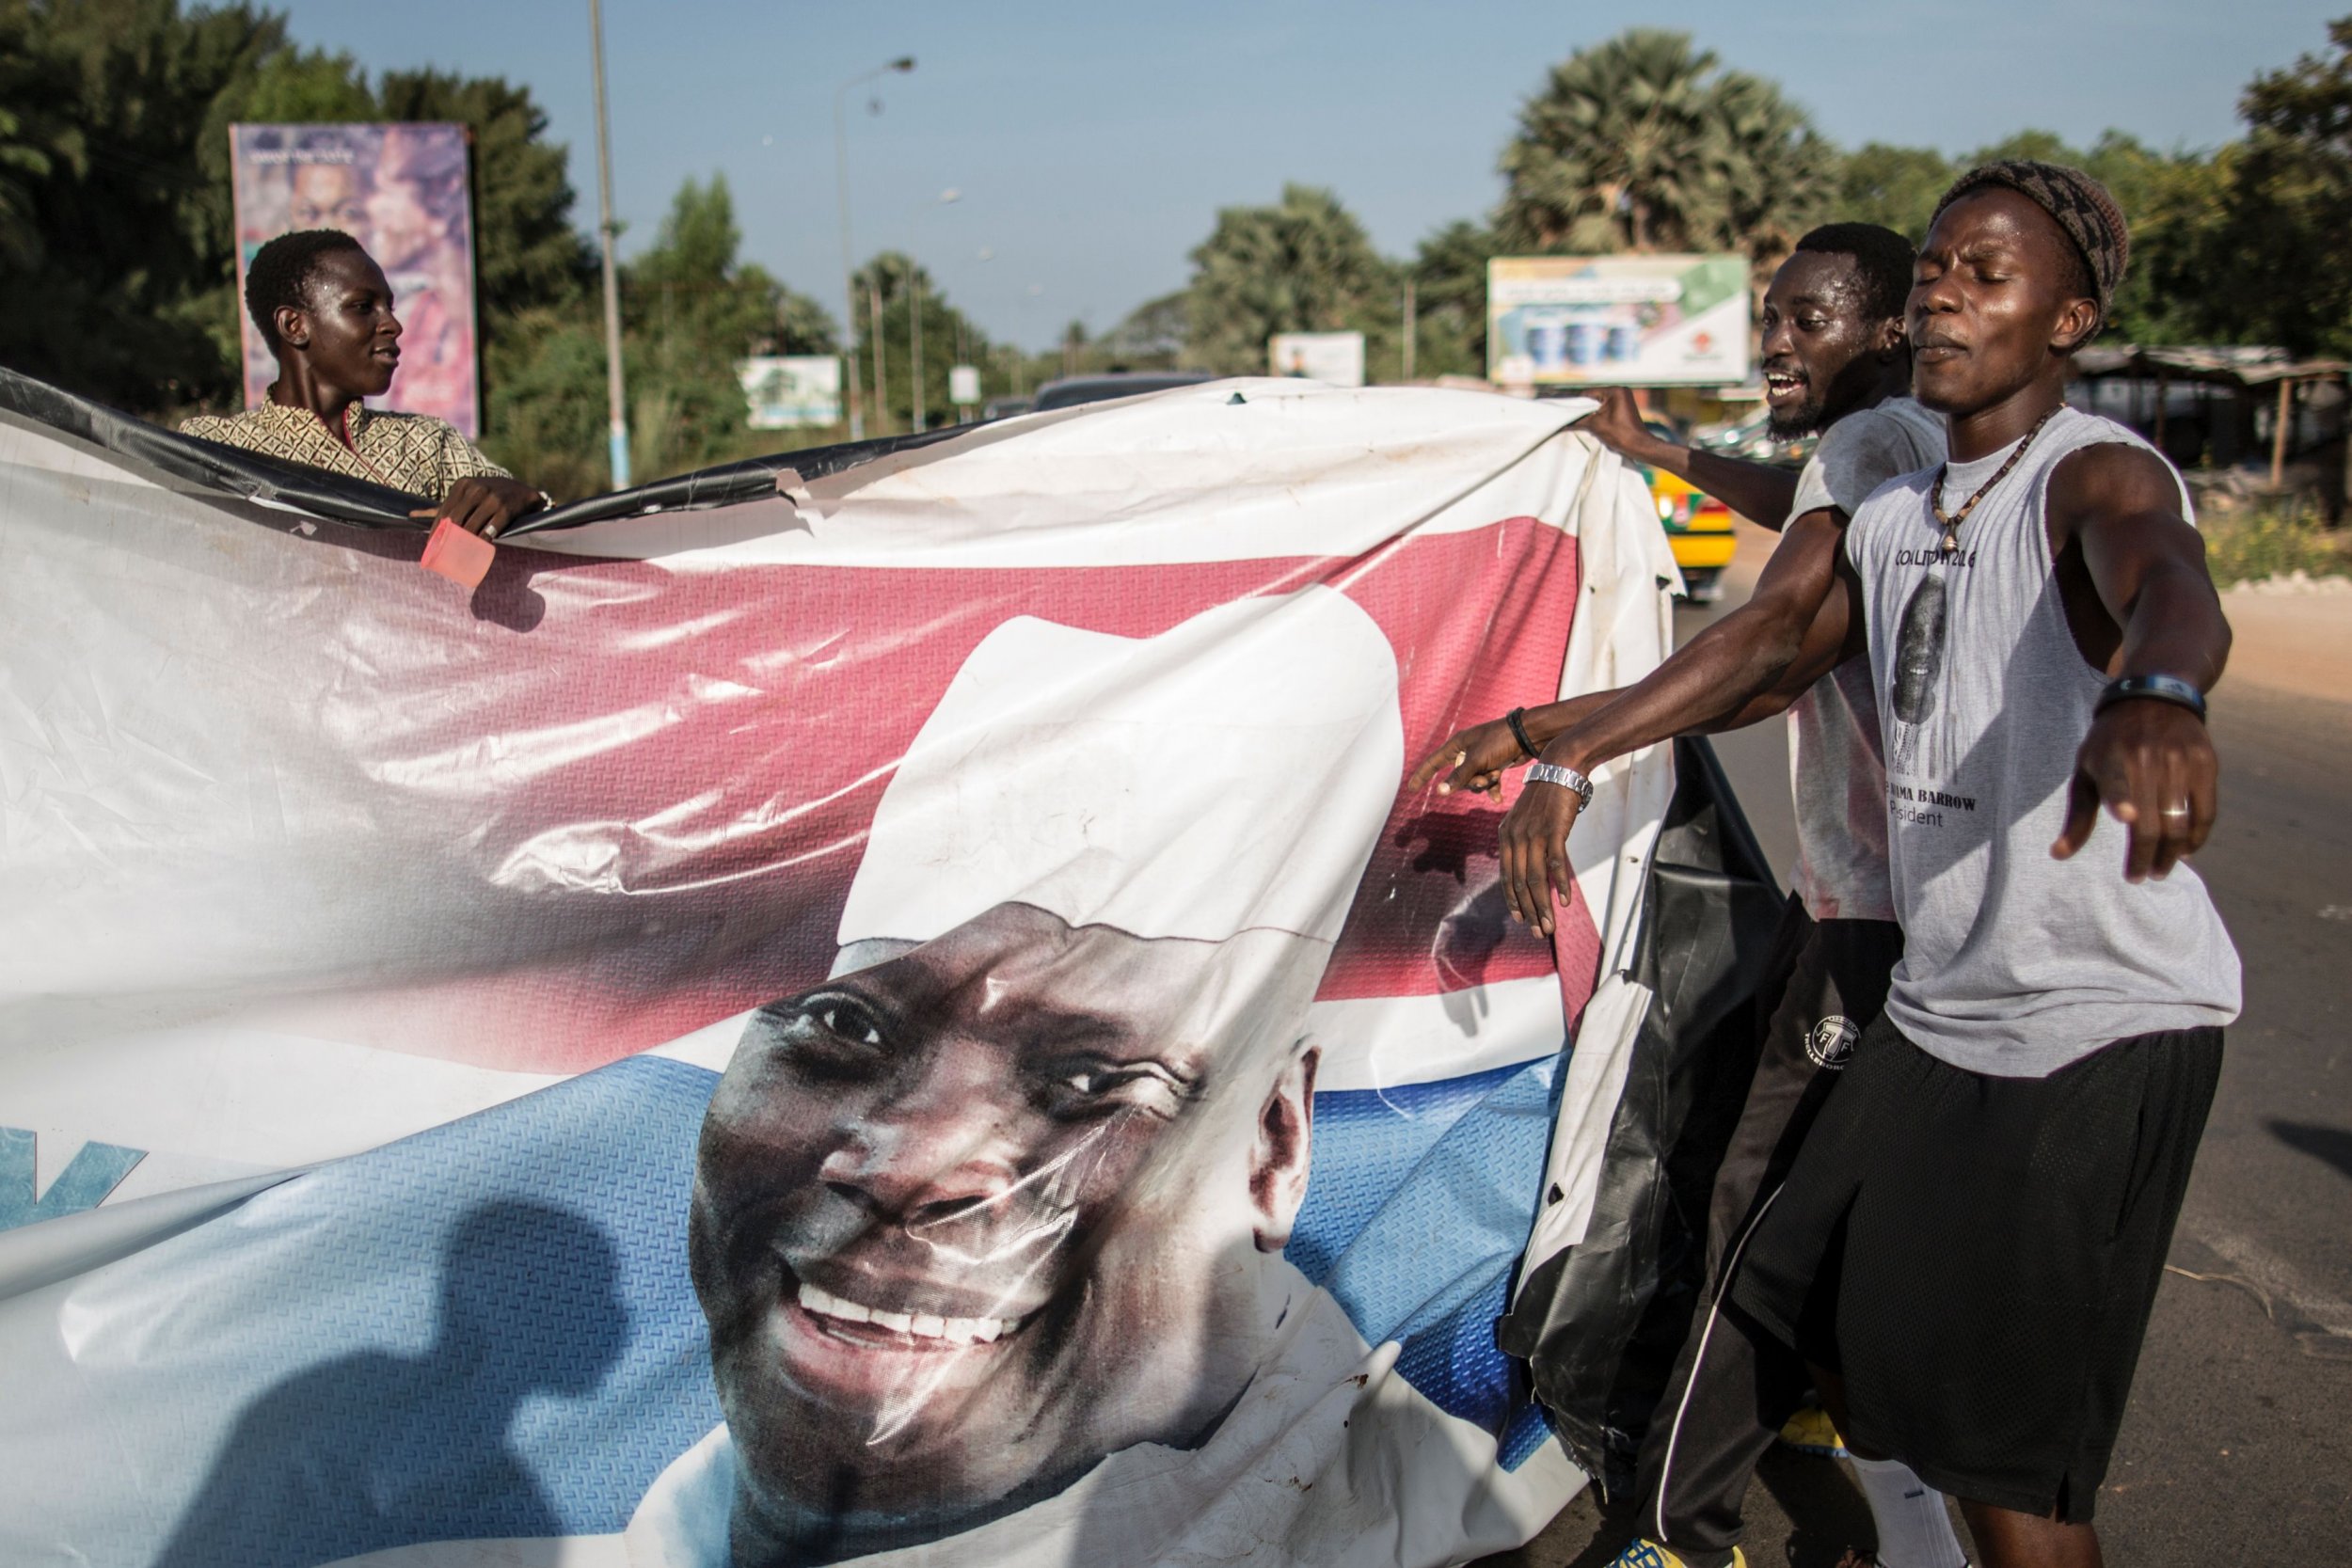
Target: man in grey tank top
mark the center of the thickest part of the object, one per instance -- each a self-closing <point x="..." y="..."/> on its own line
<point x="1967" y="1247"/>
<point x="1836" y="361"/>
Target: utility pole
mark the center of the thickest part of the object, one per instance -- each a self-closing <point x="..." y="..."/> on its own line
<point x="616" y="389"/>
<point x="848" y="268"/>
<point x="882" y="385"/>
<point x="915" y="335"/>
<point x="1408" y="329"/>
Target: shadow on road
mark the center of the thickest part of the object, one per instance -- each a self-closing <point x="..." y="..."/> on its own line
<point x="2332" y="1145"/>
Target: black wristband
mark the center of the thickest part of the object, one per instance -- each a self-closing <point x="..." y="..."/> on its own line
<point x="2164" y="688"/>
<point x="1515" y="719"/>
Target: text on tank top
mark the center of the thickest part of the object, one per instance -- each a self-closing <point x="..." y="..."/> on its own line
<point x="2015" y="963"/>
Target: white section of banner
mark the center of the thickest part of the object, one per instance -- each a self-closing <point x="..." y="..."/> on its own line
<point x="1225" y="470"/>
<point x="1624" y="630"/>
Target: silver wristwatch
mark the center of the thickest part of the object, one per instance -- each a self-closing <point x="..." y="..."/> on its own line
<point x="1566" y="778"/>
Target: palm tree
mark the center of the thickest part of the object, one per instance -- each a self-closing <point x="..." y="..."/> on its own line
<point x="1643" y="144"/>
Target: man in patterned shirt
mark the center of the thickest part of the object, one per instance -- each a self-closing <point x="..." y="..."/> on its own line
<point x="326" y="311"/>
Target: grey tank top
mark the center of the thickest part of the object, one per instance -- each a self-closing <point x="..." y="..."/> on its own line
<point x="2015" y="964"/>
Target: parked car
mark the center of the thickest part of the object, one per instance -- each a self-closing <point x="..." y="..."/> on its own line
<point x="1004" y="408"/>
<point x="1071" y="390"/>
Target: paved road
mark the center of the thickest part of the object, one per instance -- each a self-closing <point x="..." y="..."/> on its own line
<point x="2237" y="1448"/>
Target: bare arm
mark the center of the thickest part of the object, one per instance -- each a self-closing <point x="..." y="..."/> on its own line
<point x="2139" y="602"/>
<point x="1477" y="757"/>
<point x="1757" y="491"/>
<point x="1802" y="619"/>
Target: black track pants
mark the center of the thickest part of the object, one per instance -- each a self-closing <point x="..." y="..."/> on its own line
<point x="1732" y="1389"/>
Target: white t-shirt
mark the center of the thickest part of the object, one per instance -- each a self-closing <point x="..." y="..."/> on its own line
<point x="1835" y="770"/>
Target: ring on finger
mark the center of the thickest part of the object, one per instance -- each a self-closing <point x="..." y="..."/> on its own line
<point x="2174" y="812"/>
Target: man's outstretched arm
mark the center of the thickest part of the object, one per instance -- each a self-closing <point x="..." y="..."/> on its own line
<point x="2115" y="521"/>
<point x="1801" y="620"/>
<point x="1757" y="491"/>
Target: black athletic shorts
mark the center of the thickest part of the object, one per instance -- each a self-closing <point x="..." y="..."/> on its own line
<point x="1978" y="1256"/>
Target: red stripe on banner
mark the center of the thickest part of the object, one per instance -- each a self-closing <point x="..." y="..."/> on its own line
<point x="697" y="752"/>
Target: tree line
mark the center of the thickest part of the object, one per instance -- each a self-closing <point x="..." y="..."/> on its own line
<point x="118" y="271"/>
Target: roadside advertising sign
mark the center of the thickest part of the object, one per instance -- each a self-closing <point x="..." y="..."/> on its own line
<point x="1634" y="320"/>
<point x="1336" y="359"/>
<point x="401" y="191"/>
<point x="786" y="391"/>
<point x="964" y="384"/>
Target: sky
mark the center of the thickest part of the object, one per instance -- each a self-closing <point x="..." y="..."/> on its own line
<point x="1090" y="146"/>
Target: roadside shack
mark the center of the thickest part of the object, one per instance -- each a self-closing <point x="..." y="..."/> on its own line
<point x="2255" y="419"/>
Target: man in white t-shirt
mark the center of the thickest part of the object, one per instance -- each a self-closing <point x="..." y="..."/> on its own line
<point x="1836" y="361"/>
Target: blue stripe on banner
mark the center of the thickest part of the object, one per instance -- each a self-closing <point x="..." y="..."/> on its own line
<point x="1418" y="1209"/>
<point x="488" y="1330"/>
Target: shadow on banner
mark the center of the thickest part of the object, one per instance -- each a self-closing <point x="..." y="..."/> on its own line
<point x="530" y="1305"/>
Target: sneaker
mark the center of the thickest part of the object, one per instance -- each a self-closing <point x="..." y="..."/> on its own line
<point x="1812" y="1431"/>
<point x="1649" y="1554"/>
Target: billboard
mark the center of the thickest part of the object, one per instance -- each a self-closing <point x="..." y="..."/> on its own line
<point x="858" y="1022"/>
<point x="401" y="191"/>
<point x="786" y="391"/>
<point x="1633" y="321"/>
<point x="1336" y="359"/>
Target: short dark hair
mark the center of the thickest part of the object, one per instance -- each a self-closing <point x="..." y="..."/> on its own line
<point x="282" y="270"/>
<point x="1883" y="258"/>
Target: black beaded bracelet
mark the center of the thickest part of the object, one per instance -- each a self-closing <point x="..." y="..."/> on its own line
<point x="1516" y="720"/>
<point x="2164" y="688"/>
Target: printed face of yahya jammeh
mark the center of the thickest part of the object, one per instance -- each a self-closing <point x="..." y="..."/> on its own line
<point x="968" y="1220"/>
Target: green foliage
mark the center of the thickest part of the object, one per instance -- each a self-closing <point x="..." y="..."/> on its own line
<point x="2272" y="541"/>
<point x="1302" y="265"/>
<point x="1896" y="187"/>
<point x="35" y="142"/>
<point x="690" y="309"/>
<point x="1643" y="143"/>
<point x="545" y="413"/>
<point x="1449" y="274"/>
<point x="2289" y="206"/>
<point x="906" y="288"/>
<point x="119" y="295"/>
<point x="1154" y="336"/>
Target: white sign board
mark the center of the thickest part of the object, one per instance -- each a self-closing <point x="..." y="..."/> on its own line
<point x="1336" y="359"/>
<point x="964" y="384"/>
<point x="789" y="390"/>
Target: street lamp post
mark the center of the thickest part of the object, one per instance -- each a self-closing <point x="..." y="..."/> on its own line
<point x="617" y="391"/>
<point x="848" y="268"/>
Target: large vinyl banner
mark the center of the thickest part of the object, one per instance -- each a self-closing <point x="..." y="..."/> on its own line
<point x="903" y="1020"/>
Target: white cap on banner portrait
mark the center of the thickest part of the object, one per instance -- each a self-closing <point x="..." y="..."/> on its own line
<point x="1229" y="774"/>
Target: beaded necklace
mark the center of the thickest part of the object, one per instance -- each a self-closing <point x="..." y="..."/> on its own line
<point x="1951" y="521"/>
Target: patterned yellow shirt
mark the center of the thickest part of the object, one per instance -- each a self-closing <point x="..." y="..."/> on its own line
<point x="415" y="453"/>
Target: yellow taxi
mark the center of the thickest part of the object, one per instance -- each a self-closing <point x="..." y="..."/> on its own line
<point x="1698" y="527"/>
